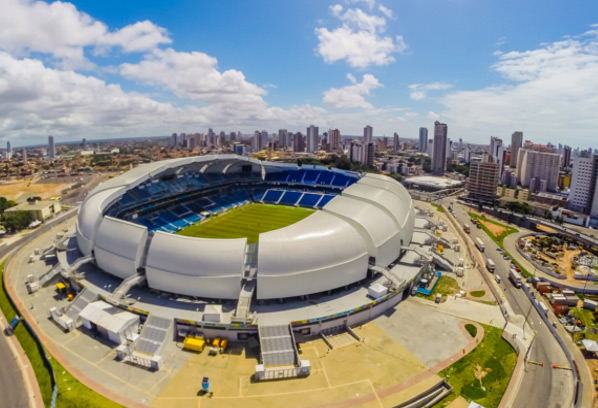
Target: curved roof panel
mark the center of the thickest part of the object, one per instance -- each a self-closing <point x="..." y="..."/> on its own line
<point x="384" y="199"/>
<point x="377" y="226"/>
<point x="380" y="181"/>
<point x="196" y="266"/>
<point x="318" y="253"/>
<point x="119" y="246"/>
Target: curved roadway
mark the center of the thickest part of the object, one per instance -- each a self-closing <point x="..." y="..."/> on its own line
<point x="12" y="388"/>
<point x="540" y="386"/>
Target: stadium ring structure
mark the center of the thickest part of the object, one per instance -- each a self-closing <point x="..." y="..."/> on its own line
<point x="363" y="249"/>
<point x="127" y="224"/>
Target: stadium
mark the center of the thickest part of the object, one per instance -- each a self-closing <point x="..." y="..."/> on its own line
<point x="231" y="247"/>
<point x="333" y="225"/>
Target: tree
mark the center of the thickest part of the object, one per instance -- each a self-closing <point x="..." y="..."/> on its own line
<point x="18" y="220"/>
<point x="4" y="204"/>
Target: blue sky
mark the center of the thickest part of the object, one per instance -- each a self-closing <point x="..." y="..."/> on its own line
<point x="136" y="68"/>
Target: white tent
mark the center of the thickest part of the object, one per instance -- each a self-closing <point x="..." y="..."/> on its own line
<point x="114" y="323"/>
<point x="590" y="345"/>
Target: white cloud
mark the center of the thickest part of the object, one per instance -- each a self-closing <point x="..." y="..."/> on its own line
<point x="37" y="100"/>
<point x="60" y="30"/>
<point x="386" y="11"/>
<point x="193" y="75"/>
<point x="352" y="96"/>
<point x="552" y="91"/>
<point x="360" y="39"/>
<point x="419" y="91"/>
<point x="433" y="116"/>
<point x="336" y="9"/>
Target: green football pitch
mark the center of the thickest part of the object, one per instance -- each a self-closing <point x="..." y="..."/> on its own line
<point x="248" y="221"/>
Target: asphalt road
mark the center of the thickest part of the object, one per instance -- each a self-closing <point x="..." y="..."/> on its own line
<point x="540" y="386"/>
<point x="12" y="390"/>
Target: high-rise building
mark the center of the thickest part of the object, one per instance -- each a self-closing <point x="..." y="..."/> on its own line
<point x="298" y="142"/>
<point x="335" y="139"/>
<point x="538" y="170"/>
<point x="233" y="137"/>
<point x="312" y="138"/>
<point x="583" y="196"/>
<point x="51" y="147"/>
<point x="497" y="152"/>
<point x="24" y="156"/>
<point x="395" y="142"/>
<point x="439" y="149"/>
<point x="483" y="179"/>
<point x="368" y="154"/>
<point x="423" y="139"/>
<point x="8" y="150"/>
<point x="566" y="156"/>
<point x="368" y="134"/>
<point x="516" y="143"/>
<point x="283" y="139"/>
<point x="356" y="152"/>
<point x="173" y="140"/>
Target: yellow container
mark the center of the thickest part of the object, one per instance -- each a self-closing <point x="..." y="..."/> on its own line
<point x="216" y="342"/>
<point x="194" y="344"/>
<point x="223" y="344"/>
<point x="60" y="287"/>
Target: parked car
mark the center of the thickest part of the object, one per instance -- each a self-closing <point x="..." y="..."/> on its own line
<point x="497" y="279"/>
<point x="507" y="257"/>
<point x="438" y="298"/>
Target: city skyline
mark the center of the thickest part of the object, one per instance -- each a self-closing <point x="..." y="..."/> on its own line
<point x="145" y="71"/>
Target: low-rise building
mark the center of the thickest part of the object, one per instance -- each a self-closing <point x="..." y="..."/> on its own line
<point x="40" y="210"/>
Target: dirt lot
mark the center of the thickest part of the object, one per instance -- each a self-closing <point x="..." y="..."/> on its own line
<point x="377" y="372"/>
<point x="566" y="261"/>
<point x="14" y="190"/>
<point x="493" y="228"/>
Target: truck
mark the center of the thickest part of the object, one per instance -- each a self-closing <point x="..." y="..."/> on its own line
<point x="466" y="228"/>
<point x="515" y="278"/>
<point x="480" y="244"/>
<point x="490" y="265"/>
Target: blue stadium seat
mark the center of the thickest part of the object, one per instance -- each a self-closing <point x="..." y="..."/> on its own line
<point x="309" y="199"/>
<point x="325" y="177"/>
<point x="325" y="199"/>
<point x="311" y="176"/>
<point x="295" y="176"/>
<point x="272" y="196"/>
<point x="290" y="198"/>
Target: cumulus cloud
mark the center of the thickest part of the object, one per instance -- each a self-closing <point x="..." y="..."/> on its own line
<point x="419" y="91"/>
<point x="352" y="96"/>
<point x="60" y="30"/>
<point x="38" y="100"/>
<point x="360" y="39"/>
<point x="552" y="89"/>
<point x="194" y="75"/>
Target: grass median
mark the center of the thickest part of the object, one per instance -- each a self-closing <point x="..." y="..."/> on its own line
<point x="71" y="392"/>
<point x="498" y="239"/>
<point x="482" y="375"/>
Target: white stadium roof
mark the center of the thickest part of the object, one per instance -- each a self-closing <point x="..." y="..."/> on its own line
<point x="329" y="249"/>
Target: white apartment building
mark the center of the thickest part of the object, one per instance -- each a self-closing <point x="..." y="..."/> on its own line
<point x="583" y="196"/>
<point x="538" y="171"/>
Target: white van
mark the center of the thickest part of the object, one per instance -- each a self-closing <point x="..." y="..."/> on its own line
<point x="497" y="279"/>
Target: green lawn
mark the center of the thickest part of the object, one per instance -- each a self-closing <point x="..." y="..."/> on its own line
<point x="471" y="329"/>
<point x="446" y="286"/>
<point x="483" y="374"/>
<point x="588" y="320"/>
<point x="438" y="208"/>
<point x="248" y="221"/>
<point x="477" y="293"/>
<point x="499" y="240"/>
<point x="71" y="393"/>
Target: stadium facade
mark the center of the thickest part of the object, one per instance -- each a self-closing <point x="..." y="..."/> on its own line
<point x="363" y="221"/>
